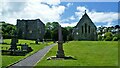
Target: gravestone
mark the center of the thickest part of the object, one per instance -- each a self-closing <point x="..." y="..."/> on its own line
<point x="60" y="52"/>
<point x="43" y="41"/>
<point x="37" y="41"/>
<point x="13" y="42"/>
<point x="24" y="47"/>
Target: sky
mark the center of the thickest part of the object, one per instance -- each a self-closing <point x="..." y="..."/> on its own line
<point x="66" y="13"/>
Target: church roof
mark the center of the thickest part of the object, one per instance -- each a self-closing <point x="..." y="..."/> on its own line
<point x="85" y="16"/>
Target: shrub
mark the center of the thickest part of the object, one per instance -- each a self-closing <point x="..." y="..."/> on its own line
<point x="108" y="38"/>
<point x="117" y="35"/>
<point x="115" y="39"/>
<point x="108" y="34"/>
<point x="100" y="38"/>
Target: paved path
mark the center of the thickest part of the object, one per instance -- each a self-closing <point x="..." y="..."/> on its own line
<point x="33" y="59"/>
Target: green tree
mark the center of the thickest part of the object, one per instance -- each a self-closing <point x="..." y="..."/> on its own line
<point x="7" y="30"/>
<point x="108" y="36"/>
<point x="69" y="33"/>
<point x="51" y="31"/>
<point x="100" y="38"/>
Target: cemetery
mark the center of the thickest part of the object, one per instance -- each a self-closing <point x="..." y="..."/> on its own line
<point x="15" y="58"/>
<point x="53" y="45"/>
<point x="14" y="50"/>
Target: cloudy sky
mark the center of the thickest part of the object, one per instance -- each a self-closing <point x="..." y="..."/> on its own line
<point x="66" y="13"/>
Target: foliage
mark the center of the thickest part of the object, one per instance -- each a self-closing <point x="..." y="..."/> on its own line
<point x="52" y="31"/>
<point x="117" y="35"/>
<point x="108" y="36"/>
<point x="109" y="32"/>
<point x="100" y="38"/>
<point x="115" y="39"/>
<point x="7" y="30"/>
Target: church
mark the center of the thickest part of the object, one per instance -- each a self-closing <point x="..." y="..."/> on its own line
<point x="85" y="29"/>
<point x="30" y="29"/>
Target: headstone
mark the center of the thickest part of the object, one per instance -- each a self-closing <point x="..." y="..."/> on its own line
<point x="60" y="52"/>
<point x="37" y="41"/>
<point x="43" y="41"/>
<point x="13" y="42"/>
<point x="24" y="47"/>
<point x="1" y="39"/>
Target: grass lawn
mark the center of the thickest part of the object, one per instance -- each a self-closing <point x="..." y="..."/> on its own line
<point x="8" y="60"/>
<point x="87" y="53"/>
<point x="0" y="59"/>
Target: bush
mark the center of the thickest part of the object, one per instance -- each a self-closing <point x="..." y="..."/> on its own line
<point x="108" y="38"/>
<point x="117" y="35"/>
<point x="100" y="38"/>
<point x="115" y="39"/>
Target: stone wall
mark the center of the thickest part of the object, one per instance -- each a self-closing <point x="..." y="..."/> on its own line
<point x="30" y="29"/>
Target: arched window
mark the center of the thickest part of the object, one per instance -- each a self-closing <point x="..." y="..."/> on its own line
<point x="85" y="28"/>
<point x="89" y="29"/>
<point x="82" y="29"/>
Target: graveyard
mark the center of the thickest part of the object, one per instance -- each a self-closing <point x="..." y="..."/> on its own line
<point x="65" y="52"/>
<point x="12" y="58"/>
<point x="86" y="53"/>
<point x="52" y="36"/>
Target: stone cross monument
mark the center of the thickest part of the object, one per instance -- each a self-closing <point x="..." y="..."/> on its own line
<point x="60" y="52"/>
<point x="13" y="42"/>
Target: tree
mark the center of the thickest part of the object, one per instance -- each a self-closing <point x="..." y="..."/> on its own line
<point x="48" y="30"/>
<point x="100" y="38"/>
<point x="51" y="31"/>
<point x="65" y="34"/>
<point x="108" y="36"/>
<point x="69" y="31"/>
<point x="117" y="26"/>
<point x="7" y="30"/>
<point x="48" y="34"/>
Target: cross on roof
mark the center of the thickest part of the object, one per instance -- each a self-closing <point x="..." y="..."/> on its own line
<point x="85" y="11"/>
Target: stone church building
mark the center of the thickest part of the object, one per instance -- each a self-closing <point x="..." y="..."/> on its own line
<point x="30" y="29"/>
<point x="85" y="29"/>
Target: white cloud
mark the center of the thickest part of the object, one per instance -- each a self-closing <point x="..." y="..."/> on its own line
<point x="72" y="18"/>
<point x="72" y="24"/>
<point x="82" y="9"/>
<point x="32" y="10"/>
<point x="98" y="17"/>
<point x="69" y="4"/>
<point x="52" y="2"/>
<point x="49" y="11"/>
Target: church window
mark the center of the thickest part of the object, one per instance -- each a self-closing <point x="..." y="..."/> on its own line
<point x="89" y="29"/>
<point x="85" y="28"/>
<point x="82" y="29"/>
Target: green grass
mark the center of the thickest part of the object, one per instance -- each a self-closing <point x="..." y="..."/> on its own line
<point x="0" y="59"/>
<point x="87" y="53"/>
<point x="8" y="60"/>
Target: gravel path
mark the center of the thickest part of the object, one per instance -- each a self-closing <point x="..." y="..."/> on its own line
<point x="33" y="59"/>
